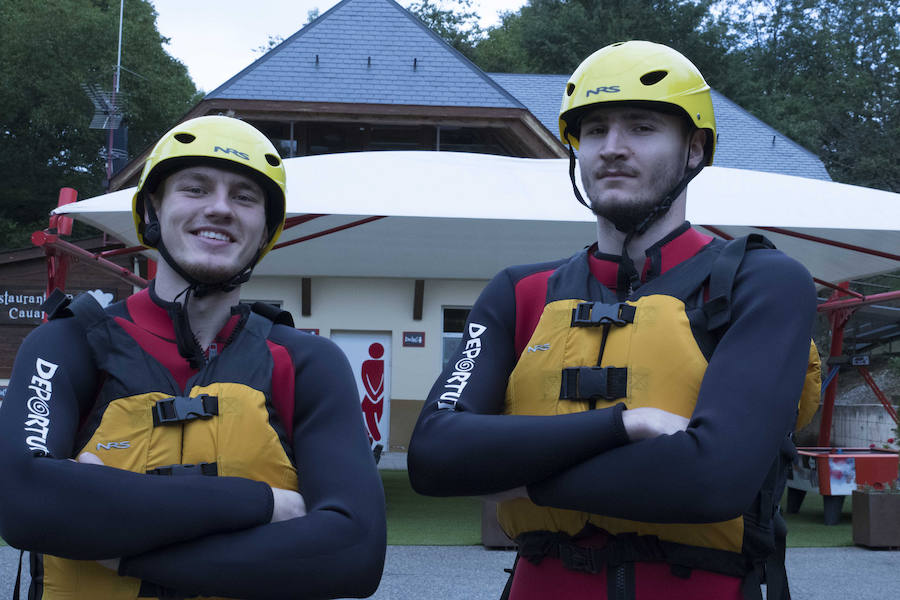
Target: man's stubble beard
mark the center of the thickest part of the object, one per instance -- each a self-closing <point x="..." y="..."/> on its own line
<point x="627" y="214"/>
<point x="209" y="274"/>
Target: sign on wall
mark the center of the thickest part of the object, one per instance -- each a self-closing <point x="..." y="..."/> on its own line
<point x="413" y="339"/>
<point x="370" y="358"/>
<point x="22" y="306"/>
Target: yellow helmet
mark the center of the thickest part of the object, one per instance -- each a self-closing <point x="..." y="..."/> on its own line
<point x="637" y="72"/>
<point x="222" y="142"/>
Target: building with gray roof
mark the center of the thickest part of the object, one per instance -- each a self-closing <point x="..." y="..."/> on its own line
<point x="369" y="75"/>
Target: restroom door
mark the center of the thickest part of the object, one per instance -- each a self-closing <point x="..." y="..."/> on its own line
<point x="369" y="354"/>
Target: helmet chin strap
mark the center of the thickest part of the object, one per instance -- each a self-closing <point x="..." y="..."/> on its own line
<point x="628" y="278"/>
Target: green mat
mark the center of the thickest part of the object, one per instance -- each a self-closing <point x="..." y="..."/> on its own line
<point x="415" y="520"/>
<point x="807" y="528"/>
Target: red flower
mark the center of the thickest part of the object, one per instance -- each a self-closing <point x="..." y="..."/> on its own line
<point x="890" y="440"/>
<point x="872" y="446"/>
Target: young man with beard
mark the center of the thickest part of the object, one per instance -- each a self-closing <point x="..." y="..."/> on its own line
<point x="630" y="407"/>
<point x="177" y="443"/>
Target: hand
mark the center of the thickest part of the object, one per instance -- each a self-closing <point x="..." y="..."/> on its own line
<point x="86" y="458"/>
<point x="288" y="505"/>
<point x="110" y="563"/>
<point x="645" y="422"/>
<point x="519" y="492"/>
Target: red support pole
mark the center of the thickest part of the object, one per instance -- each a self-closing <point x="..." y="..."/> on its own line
<point x="878" y="393"/>
<point x="835" y="304"/>
<point x="838" y="320"/>
<point x="52" y="245"/>
<point x="319" y="234"/>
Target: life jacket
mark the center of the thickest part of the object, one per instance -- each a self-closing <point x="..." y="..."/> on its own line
<point x="593" y="350"/>
<point x="220" y="424"/>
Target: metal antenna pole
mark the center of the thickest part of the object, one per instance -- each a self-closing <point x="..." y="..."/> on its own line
<point x="116" y="77"/>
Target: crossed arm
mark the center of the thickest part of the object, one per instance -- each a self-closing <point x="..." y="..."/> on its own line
<point x="638" y="466"/>
<point x="201" y="535"/>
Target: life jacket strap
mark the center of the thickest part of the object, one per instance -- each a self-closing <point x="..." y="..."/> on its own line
<point x="594" y="314"/>
<point x="627" y="548"/>
<point x="184" y="408"/>
<point x="152" y="590"/>
<point x="591" y="383"/>
<point x="208" y="469"/>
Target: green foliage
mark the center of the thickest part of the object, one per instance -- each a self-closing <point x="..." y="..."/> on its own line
<point x="554" y="36"/>
<point x="49" y="50"/>
<point x="826" y="73"/>
<point x="457" y="25"/>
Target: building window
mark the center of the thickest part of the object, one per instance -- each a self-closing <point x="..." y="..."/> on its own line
<point x="454" y="325"/>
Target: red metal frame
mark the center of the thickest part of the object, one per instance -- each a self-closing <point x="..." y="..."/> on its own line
<point x="838" y="321"/>
<point x="827" y="242"/>
<point x="319" y="234"/>
<point x="878" y="393"/>
<point x="62" y="250"/>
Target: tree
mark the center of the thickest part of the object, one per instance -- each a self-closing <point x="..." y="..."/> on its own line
<point x="827" y="74"/>
<point x="457" y="25"/>
<point x="49" y="50"/>
<point x="554" y="36"/>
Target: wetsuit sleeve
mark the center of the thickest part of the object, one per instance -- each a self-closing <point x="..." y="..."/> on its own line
<point x="81" y="511"/>
<point x="337" y="549"/>
<point x="746" y="406"/>
<point x="462" y="444"/>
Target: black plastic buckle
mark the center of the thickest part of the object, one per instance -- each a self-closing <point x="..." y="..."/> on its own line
<point x="208" y="469"/>
<point x="591" y="383"/>
<point x="594" y="314"/>
<point x="184" y="408"/>
<point x="577" y="558"/>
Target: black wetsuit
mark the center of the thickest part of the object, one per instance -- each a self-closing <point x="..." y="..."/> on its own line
<point x="209" y="535"/>
<point x="711" y="472"/>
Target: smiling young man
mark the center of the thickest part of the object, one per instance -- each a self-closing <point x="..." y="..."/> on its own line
<point x="630" y="407"/>
<point x="177" y="443"/>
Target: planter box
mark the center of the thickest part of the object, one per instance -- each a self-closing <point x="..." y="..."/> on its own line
<point x="876" y="519"/>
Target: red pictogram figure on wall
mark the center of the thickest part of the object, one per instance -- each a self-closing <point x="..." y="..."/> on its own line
<point x="372" y="372"/>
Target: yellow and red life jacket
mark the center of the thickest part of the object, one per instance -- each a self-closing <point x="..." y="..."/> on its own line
<point x="593" y="351"/>
<point x="221" y="424"/>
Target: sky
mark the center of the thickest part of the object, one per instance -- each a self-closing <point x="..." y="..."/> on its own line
<point x="215" y="39"/>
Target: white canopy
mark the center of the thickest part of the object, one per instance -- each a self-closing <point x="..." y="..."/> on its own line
<point x="457" y="215"/>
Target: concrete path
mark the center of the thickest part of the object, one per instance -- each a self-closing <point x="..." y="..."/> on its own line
<point x="473" y="573"/>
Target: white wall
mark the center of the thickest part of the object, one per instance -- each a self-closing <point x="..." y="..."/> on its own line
<point x="370" y="304"/>
<point x="859" y="425"/>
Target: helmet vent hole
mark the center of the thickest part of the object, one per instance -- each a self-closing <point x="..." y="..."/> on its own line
<point x="653" y="77"/>
<point x="570" y="89"/>
<point x="273" y="160"/>
<point x="185" y="138"/>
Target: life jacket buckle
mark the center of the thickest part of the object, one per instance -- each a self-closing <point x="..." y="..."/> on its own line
<point x="591" y="383"/>
<point x="209" y="469"/>
<point x="184" y="408"/>
<point x="576" y="558"/>
<point x="594" y="314"/>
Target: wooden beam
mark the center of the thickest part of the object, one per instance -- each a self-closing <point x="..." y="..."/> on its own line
<point x="418" y="299"/>
<point x="305" y="296"/>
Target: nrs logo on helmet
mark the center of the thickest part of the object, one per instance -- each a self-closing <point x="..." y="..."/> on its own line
<point x="610" y="89"/>
<point x="237" y="153"/>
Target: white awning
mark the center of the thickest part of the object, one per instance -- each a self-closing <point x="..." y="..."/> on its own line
<point x="457" y="215"/>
